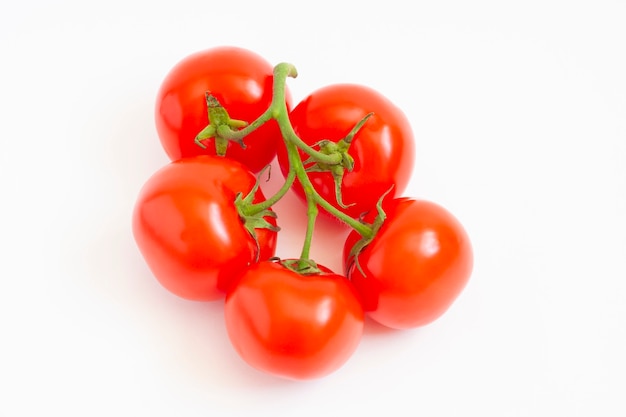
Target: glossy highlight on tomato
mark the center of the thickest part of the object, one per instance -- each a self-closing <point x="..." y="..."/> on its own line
<point x="291" y="325"/>
<point x="383" y="149"/>
<point x="415" y="267"/>
<point x="188" y="229"/>
<point x="242" y="82"/>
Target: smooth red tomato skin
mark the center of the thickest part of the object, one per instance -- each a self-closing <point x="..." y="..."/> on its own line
<point x="293" y="326"/>
<point x="241" y="80"/>
<point x="188" y="230"/>
<point x="383" y="150"/>
<point x="416" y="266"/>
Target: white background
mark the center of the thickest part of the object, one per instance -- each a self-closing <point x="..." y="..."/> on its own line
<point x="519" y="114"/>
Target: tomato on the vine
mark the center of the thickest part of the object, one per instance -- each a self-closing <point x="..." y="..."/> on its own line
<point x="414" y="268"/>
<point x="189" y="231"/>
<point x="383" y="149"/>
<point x="241" y="80"/>
<point x="292" y="325"/>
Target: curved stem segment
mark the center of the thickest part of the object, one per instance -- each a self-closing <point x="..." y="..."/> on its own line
<point x="269" y="202"/>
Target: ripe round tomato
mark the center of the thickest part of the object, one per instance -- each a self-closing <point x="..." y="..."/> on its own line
<point x="383" y="149"/>
<point x="292" y="325"/>
<point x="415" y="267"/>
<point x="188" y="229"/>
<point x="242" y="82"/>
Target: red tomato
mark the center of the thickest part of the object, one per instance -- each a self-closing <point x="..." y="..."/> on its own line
<point x="383" y="149"/>
<point x="416" y="266"/>
<point x="241" y="80"/>
<point x="188" y="230"/>
<point x="291" y="325"/>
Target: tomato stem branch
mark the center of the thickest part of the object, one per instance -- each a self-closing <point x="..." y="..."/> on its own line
<point x="296" y="165"/>
<point x="363" y="229"/>
<point x="269" y="202"/>
<point x="314" y="199"/>
<point x="311" y="213"/>
<point x="332" y="157"/>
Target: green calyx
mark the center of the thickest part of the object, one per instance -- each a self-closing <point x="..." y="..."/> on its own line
<point x="302" y="266"/>
<point x="366" y="240"/>
<point x="338" y="169"/>
<point x="338" y="160"/>
<point x="220" y="127"/>
<point x="253" y="217"/>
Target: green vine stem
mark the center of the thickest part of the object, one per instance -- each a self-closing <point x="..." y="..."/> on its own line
<point x="233" y="130"/>
<point x="297" y="166"/>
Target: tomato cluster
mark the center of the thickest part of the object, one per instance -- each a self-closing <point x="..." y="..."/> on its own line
<point x="207" y="231"/>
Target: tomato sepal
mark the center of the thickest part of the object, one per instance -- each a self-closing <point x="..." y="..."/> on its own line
<point x="302" y="266"/>
<point x="219" y="127"/>
<point x="254" y="219"/>
<point x="381" y="216"/>
<point x="344" y="161"/>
